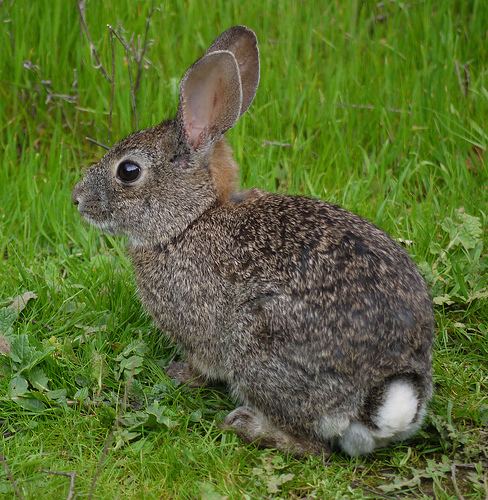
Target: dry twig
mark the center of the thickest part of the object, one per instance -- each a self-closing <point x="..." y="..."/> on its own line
<point x="464" y="78"/>
<point x="46" y="85"/>
<point x="97" y="143"/>
<point x="71" y="475"/>
<point x="112" y="88"/>
<point x="133" y="53"/>
<point x="454" y="482"/>
<point x="370" y="106"/>
<point x="128" y="52"/>
<point x="81" y="4"/>
<point x="10" y="477"/>
<point x="143" y="50"/>
<point x="106" y="448"/>
<point x="138" y="55"/>
<point x="276" y="143"/>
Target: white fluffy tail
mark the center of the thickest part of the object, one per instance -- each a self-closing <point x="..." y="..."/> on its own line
<point x="398" y="411"/>
<point x="398" y="417"/>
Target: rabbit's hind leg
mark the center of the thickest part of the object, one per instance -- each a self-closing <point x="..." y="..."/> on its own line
<point x="253" y="427"/>
<point x="183" y="373"/>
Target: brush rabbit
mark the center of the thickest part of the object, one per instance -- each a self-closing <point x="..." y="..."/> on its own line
<point x="319" y="323"/>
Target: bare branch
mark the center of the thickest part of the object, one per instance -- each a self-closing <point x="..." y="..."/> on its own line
<point x="46" y="85"/>
<point x="10" y="477"/>
<point x="135" y="53"/>
<point x="106" y="448"/>
<point x="276" y="143"/>
<point x="370" y="106"/>
<point x="464" y="78"/>
<point x="94" y="141"/>
<point x="81" y="4"/>
<point x="71" y="475"/>
<point x="112" y="87"/>
<point x="128" y="54"/>
<point x="454" y="482"/>
<point x="142" y="53"/>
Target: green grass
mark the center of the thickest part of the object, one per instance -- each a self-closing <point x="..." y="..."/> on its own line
<point x="384" y="107"/>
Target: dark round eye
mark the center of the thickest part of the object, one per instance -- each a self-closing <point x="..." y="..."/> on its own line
<point x="128" y="171"/>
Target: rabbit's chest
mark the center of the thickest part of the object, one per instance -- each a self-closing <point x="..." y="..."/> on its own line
<point x="184" y="298"/>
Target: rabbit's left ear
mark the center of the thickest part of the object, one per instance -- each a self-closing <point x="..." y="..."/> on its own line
<point x="242" y="42"/>
<point x="210" y="98"/>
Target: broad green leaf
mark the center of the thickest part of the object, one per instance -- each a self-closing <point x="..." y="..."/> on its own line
<point x="464" y="230"/>
<point x="131" y="365"/>
<point x="208" y="492"/>
<point x="81" y="394"/>
<point x="168" y="422"/>
<point x="156" y="410"/>
<point x="31" y="404"/>
<point x="196" y="416"/>
<point x="135" y="419"/>
<point x="159" y="413"/>
<point x="58" y="395"/>
<point x="26" y="355"/>
<point x="20" y="349"/>
<point x="9" y="314"/>
<point x="399" y="483"/>
<point x="38" y="357"/>
<point x="135" y="347"/>
<point x="18" y="386"/>
<point x="123" y="437"/>
<point x="38" y="379"/>
<point x="7" y="319"/>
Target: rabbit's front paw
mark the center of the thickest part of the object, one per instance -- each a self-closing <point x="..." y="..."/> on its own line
<point x="182" y="372"/>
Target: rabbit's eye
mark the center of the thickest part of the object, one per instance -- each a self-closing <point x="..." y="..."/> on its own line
<point x="128" y="171"/>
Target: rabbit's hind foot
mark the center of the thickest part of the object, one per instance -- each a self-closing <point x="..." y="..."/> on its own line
<point x="253" y="427"/>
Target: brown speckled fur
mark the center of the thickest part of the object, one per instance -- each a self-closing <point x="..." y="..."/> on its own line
<point x="305" y="310"/>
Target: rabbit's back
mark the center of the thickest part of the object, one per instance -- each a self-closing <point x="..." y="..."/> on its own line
<point x="344" y="285"/>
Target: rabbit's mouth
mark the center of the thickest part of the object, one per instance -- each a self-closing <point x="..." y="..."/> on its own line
<point x="105" y="224"/>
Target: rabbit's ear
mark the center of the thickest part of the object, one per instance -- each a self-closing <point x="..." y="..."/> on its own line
<point x="242" y="42"/>
<point x="210" y="98"/>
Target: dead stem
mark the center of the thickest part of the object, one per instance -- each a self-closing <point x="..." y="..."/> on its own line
<point x="454" y="482"/>
<point x="106" y="448"/>
<point x="81" y="4"/>
<point x="10" y="477"/>
<point x="94" y="141"/>
<point x="71" y="475"/>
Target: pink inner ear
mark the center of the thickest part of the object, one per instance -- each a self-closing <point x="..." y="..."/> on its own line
<point x="195" y="132"/>
<point x="204" y="111"/>
<point x="210" y="97"/>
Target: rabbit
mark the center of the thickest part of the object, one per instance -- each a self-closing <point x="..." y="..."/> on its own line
<point x="319" y="324"/>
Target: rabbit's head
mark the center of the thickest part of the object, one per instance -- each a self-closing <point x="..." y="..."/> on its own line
<point x="152" y="184"/>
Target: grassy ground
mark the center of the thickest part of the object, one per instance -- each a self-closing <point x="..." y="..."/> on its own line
<point x="381" y="107"/>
